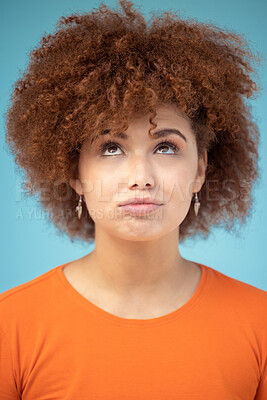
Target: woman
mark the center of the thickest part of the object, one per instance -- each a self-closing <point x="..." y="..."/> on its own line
<point x="125" y="126"/>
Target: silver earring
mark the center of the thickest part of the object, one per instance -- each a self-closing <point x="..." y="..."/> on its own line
<point x="196" y="203"/>
<point x="79" y="207"/>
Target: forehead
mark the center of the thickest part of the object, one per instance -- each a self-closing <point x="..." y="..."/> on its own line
<point x="169" y="120"/>
<point x="165" y="112"/>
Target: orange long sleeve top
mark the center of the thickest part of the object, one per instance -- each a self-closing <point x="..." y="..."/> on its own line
<point x="56" y="345"/>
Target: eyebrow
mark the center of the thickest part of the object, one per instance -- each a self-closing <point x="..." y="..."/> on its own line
<point x="161" y="133"/>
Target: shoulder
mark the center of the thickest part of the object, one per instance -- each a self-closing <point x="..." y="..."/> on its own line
<point x="237" y="295"/>
<point x="26" y="296"/>
<point x="234" y="284"/>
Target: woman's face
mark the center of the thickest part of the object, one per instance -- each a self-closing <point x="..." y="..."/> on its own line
<point x="142" y="166"/>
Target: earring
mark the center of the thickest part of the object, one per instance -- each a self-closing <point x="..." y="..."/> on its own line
<point x="196" y="203"/>
<point x="79" y="207"/>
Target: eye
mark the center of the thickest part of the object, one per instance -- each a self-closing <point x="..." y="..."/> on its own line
<point x="168" y="143"/>
<point x="109" y="145"/>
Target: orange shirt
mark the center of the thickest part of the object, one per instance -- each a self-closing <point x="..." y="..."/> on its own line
<point x="56" y="345"/>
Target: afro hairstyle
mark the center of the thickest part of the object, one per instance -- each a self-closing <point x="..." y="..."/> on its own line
<point x="98" y="69"/>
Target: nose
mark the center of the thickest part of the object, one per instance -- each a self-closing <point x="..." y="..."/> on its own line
<point x="140" y="175"/>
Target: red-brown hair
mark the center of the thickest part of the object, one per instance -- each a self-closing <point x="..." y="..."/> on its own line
<point x="99" y="70"/>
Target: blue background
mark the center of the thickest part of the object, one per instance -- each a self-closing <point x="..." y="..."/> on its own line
<point x="30" y="245"/>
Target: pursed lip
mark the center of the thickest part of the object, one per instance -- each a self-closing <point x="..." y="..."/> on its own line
<point x="138" y="200"/>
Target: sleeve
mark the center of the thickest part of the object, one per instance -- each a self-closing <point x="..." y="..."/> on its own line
<point x="8" y="386"/>
<point x="262" y="388"/>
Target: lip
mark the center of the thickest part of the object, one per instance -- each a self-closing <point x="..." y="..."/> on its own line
<point x="139" y="200"/>
<point x="140" y="209"/>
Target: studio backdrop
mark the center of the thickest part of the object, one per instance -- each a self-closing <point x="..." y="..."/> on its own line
<point x="30" y="244"/>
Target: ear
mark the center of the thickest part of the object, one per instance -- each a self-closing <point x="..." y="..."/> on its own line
<point x="201" y="172"/>
<point x="74" y="181"/>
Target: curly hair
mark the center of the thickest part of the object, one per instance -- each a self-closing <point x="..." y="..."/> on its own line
<point x="99" y="70"/>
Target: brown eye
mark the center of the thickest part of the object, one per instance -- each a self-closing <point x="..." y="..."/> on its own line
<point x="168" y="144"/>
<point x="107" y="146"/>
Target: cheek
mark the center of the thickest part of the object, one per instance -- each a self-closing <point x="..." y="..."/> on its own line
<point x="178" y="185"/>
<point x="91" y="179"/>
<point x="101" y="191"/>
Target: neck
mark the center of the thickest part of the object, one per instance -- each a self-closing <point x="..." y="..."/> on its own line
<point x="130" y="268"/>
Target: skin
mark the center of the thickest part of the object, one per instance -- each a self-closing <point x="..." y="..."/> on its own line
<point x="136" y="259"/>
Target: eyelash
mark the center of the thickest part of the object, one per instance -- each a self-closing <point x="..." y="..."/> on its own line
<point x="108" y="144"/>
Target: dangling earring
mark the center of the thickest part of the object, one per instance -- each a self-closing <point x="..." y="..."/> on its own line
<point x="79" y="207"/>
<point x="196" y="203"/>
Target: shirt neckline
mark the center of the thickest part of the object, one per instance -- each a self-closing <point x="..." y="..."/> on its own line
<point x="114" y="319"/>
